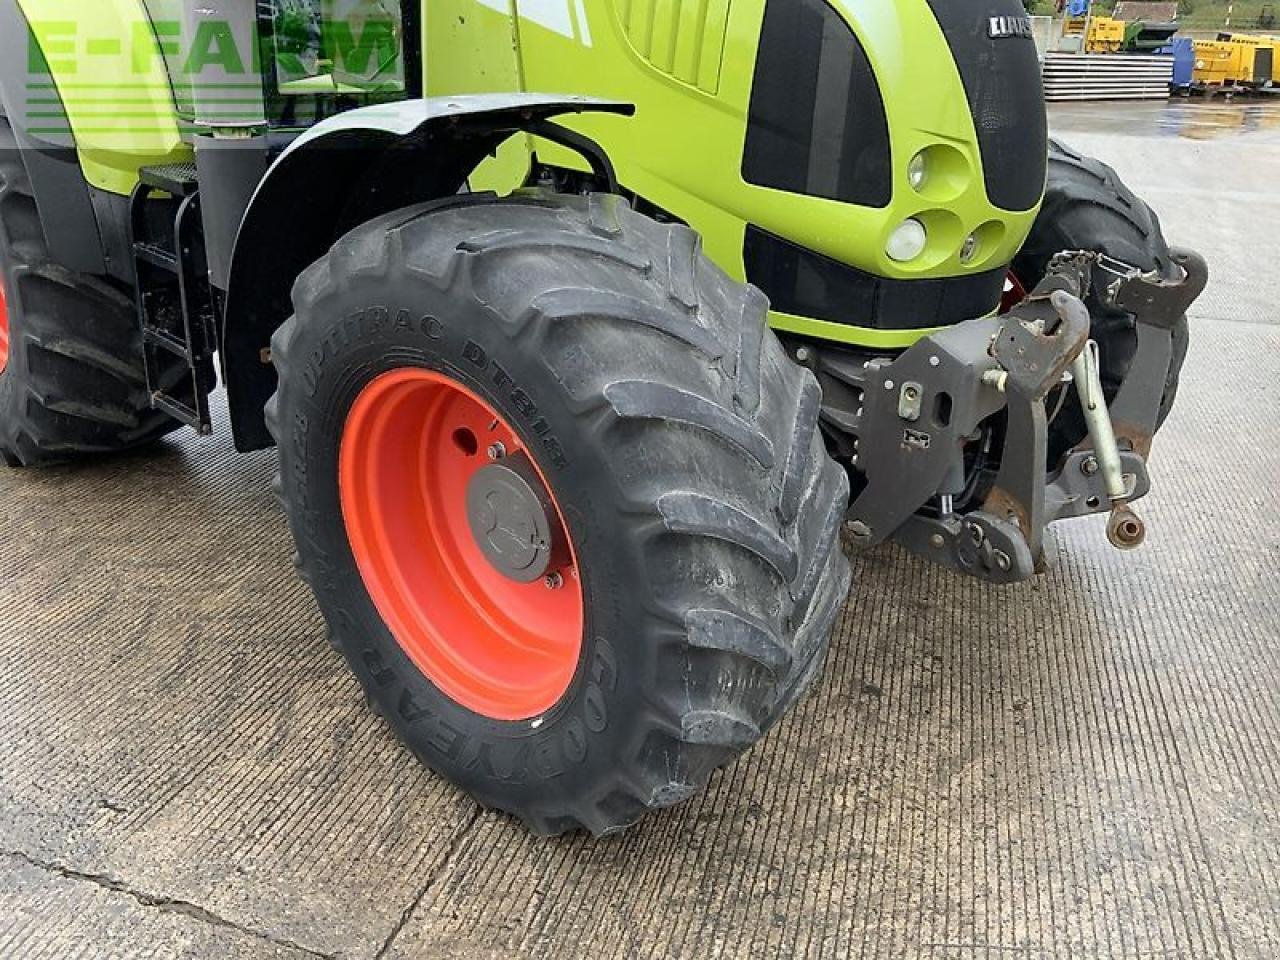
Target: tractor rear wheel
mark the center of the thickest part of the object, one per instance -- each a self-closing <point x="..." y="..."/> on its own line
<point x="561" y="497"/>
<point x="1088" y="207"/>
<point x="71" y="376"/>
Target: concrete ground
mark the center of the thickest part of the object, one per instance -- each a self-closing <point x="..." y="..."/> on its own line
<point x="1086" y="766"/>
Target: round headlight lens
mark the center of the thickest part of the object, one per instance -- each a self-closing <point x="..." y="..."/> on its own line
<point x="918" y="171"/>
<point x="907" y="241"/>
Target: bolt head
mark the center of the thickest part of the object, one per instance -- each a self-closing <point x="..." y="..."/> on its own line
<point x="858" y="529"/>
<point x="497" y="450"/>
<point x="1002" y="560"/>
<point x="554" y="581"/>
<point x="937" y="541"/>
<point x="1089" y="466"/>
<point x="803" y="354"/>
<point x="888" y="384"/>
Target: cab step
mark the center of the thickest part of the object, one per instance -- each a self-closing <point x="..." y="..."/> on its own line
<point x="175" y="303"/>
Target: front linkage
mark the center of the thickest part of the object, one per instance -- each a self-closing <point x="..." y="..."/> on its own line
<point x="926" y="432"/>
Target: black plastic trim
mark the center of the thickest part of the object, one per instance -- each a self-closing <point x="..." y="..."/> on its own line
<point x="230" y="171"/>
<point x="807" y="284"/>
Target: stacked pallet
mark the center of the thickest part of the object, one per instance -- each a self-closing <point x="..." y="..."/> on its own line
<point x="1104" y="76"/>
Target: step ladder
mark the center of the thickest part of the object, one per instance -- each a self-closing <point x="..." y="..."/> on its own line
<point x="175" y="303"/>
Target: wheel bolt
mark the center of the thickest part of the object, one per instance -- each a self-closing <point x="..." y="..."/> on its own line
<point x="497" y="450"/>
<point x="858" y="528"/>
<point x="554" y="581"/>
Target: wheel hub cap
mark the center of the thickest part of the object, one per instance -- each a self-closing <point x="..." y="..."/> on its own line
<point x="513" y="520"/>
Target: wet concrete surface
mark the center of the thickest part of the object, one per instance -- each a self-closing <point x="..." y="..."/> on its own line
<point x="1212" y="171"/>
<point x="1082" y="767"/>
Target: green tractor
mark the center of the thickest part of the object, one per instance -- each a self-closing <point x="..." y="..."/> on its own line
<point x="591" y="333"/>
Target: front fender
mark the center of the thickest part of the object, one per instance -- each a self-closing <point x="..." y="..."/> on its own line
<point x="342" y="172"/>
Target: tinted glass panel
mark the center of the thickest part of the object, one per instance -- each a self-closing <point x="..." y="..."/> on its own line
<point x="816" y="123"/>
<point x="353" y="46"/>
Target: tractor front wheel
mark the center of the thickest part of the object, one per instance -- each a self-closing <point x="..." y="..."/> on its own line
<point x="561" y="497"/>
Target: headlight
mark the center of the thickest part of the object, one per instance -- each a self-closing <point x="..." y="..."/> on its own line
<point x="907" y="241"/>
<point x="918" y="171"/>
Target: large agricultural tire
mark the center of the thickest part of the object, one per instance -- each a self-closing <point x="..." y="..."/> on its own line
<point x="676" y="449"/>
<point x="71" y="376"/>
<point x="1088" y="207"/>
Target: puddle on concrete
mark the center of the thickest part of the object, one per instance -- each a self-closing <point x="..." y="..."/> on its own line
<point x="1194" y="118"/>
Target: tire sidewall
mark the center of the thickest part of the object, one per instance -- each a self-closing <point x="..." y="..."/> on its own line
<point x="373" y="326"/>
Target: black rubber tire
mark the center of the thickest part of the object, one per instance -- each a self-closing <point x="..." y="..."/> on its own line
<point x="681" y="441"/>
<point x="1088" y="207"/>
<point x="74" y="383"/>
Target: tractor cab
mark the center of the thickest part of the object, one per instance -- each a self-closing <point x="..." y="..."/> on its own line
<point x="285" y="64"/>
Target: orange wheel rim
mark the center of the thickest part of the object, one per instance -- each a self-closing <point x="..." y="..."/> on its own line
<point x="4" y="328"/>
<point x="411" y="444"/>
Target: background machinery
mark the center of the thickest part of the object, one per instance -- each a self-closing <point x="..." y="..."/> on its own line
<point x="1237" y="60"/>
<point x="568" y="491"/>
<point x="1105" y="35"/>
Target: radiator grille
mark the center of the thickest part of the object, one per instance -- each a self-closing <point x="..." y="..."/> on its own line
<point x="807" y="284"/>
<point x="682" y="38"/>
<point x="1001" y="75"/>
